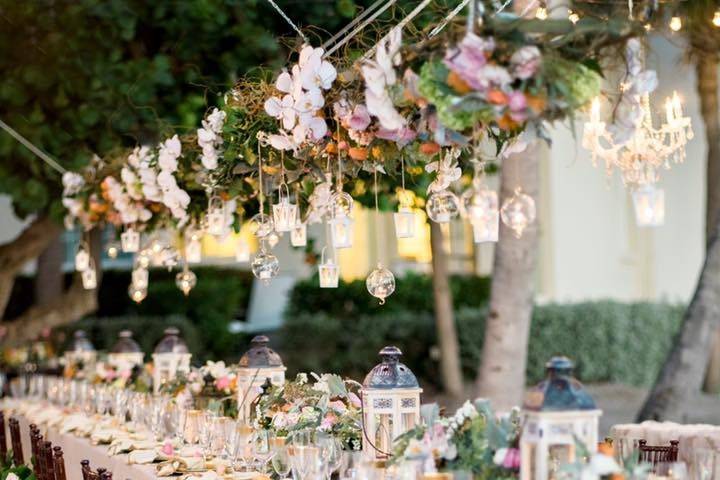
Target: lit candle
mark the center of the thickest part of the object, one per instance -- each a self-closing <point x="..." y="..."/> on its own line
<point x="669" y="111"/>
<point x="677" y="106"/>
<point x="595" y="111"/>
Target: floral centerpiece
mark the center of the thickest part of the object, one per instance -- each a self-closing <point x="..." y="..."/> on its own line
<point x="473" y="440"/>
<point x="325" y="404"/>
<point x="212" y="386"/>
<point x="133" y="377"/>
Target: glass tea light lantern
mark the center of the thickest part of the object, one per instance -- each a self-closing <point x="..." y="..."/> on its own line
<point x="557" y="413"/>
<point x="404" y="220"/>
<point x="284" y="213"/>
<point x="170" y="357"/>
<point x="341" y="222"/>
<point x="391" y="403"/>
<point x="216" y="217"/>
<point x="328" y="271"/>
<point x="81" y="355"/>
<point x="298" y="234"/>
<point x="126" y="353"/>
<point x="257" y="366"/>
<point x="649" y="203"/>
<point x="130" y="241"/>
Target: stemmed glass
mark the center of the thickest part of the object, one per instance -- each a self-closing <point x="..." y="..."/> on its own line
<point x="262" y="448"/>
<point x="178" y="417"/>
<point x="330" y="453"/>
<point x="245" y="444"/>
<point x="305" y="458"/>
<point x="281" y="458"/>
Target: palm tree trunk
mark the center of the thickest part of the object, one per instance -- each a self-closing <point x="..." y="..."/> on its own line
<point x="706" y="71"/>
<point x="501" y="376"/>
<point x="444" y="318"/>
<point x="682" y="374"/>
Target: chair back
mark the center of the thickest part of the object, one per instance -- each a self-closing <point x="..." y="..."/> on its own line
<point x="658" y="454"/>
<point x="17" y="452"/>
<point x="59" y="464"/>
<point x="85" y="469"/>
<point x="36" y="441"/>
<point x="47" y="463"/>
<point x="3" y="439"/>
<point x="106" y="475"/>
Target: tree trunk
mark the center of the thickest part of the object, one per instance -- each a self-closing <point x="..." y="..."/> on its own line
<point x="501" y="376"/>
<point x="48" y="274"/>
<point x="682" y="374"/>
<point x="16" y="253"/>
<point x="706" y="70"/>
<point x="444" y="318"/>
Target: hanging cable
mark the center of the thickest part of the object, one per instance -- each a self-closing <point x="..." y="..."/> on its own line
<point x="42" y="155"/>
<point x="287" y="19"/>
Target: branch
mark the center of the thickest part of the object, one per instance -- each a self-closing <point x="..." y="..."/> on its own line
<point x="69" y="307"/>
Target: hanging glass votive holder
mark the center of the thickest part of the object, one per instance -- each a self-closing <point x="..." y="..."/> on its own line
<point x="649" y="205"/>
<point x="185" y="281"/>
<point x="140" y="277"/>
<point x="328" y="272"/>
<point x="82" y="258"/>
<point x="130" y="240"/>
<point x="242" y="251"/>
<point x="89" y="277"/>
<point x="216" y="217"/>
<point x="193" y="247"/>
<point x="404" y="220"/>
<point x="442" y="206"/>
<point x="380" y="283"/>
<point x="136" y="293"/>
<point x="481" y="209"/>
<point x="341" y="231"/>
<point x="518" y="212"/>
<point x="261" y="225"/>
<point x="265" y="266"/>
<point x="298" y="235"/>
<point x="284" y="212"/>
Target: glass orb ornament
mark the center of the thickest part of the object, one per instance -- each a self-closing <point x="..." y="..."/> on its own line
<point x="649" y="204"/>
<point x="130" y="241"/>
<point x="284" y="212"/>
<point x="442" y="206"/>
<point x="185" y="281"/>
<point x="261" y="225"/>
<point x="518" y="212"/>
<point x="341" y="203"/>
<point x="82" y="259"/>
<point x="480" y="207"/>
<point x="112" y="250"/>
<point x="89" y="278"/>
<point x="140" y="277"/>
<point x="298" y="235"/>
<point x="242" y="251"/>
<point x="136" y="293"/>
<point x="380" y="283"/>
<point x="216" y="215"/>
<point x="328" y="272"/>
<point x="404" y="220"/>
<point x="265" y="266"/>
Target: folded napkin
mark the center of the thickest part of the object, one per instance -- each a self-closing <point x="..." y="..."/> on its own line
<point x="142" y="457"/>
<point x="180" y="465"/>
<point x="102" y="436"/>
<point x="78" y="423"/>
<point x="124" y="444"/>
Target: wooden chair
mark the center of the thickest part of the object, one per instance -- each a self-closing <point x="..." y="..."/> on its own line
<point x="46" y="451"/>
<point x="36" y="441"/>
<point x="59" y="464"/>
<point x="17" y="452"/>
<point x="3" y="439"/>
<point x="86" y="470"/>
<point x="106" y="475"/>
<point x="658" y="454"/>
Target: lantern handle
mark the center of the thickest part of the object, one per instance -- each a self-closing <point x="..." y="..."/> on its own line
<point x="280" y="190"/>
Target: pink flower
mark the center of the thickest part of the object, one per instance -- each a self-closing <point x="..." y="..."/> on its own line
<point x="469" y="58"/>
<point x="401" y="136"/>
<point x="512" y="459"/>
<point x="517" y="103"/>
<point x="167" y="448"/>
<point x="328" y="422"/>
<point x="359" y="119"/>
<point x="354" y="400"/>
<point x="338" y="406"/>
<point x="222" y="383"/>
<point x="526" y="62"/>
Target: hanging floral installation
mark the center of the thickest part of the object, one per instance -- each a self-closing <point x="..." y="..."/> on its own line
<point x="308" y="135"/>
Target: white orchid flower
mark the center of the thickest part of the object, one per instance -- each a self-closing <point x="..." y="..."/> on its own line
<point x="283" y="109"/>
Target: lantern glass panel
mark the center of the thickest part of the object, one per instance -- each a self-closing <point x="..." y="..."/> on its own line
<point x="284" y="215"/>
<point x="409" y="420"/>
<point x="383" y="432"/>
<point x="298" y="235"/>
<point x="559" y="456"/>
<point x="341" y="231"/>
<point x="404" y="222"/>
<point x="130" y="241"/>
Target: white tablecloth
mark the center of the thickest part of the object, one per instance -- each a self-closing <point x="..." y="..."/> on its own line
<point x="76" y="449"/>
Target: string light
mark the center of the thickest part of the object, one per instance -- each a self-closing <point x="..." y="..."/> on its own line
<point x="716" y="18"/>
<point x="675" y="24"/>
<point x="541" y="13"/>
<point x="573" y="17"/>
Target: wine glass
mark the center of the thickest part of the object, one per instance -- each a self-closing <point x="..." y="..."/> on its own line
<point x="244" y="444"/>
<point x="281" y="460"/>
<point x="305" y="458"/>
<point x="206" y="424"/>
<point x="330" y="453"/>
<point x="262" y="448"/>
<point x="191" y="432"/>
<point x="178" y="418"/>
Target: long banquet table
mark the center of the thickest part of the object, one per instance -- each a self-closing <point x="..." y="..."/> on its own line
<point x="76" y="449"/>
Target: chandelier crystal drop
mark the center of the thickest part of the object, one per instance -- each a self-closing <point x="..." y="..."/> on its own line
<point x="89" y="277"/>
<point x="130" y="240"/>
<point x="518" y="212"/>
<point x="442" y="206"/>
<point x="193" y="250"/>
<point x="140" y="277"/>
<point x="480" y="207"/>
<point x="380" y="283"/>
<point x="185" y="281"/>
<point x="265" y="266"/>
<point x="261" y="225"/>
<point x="649" y="204"/>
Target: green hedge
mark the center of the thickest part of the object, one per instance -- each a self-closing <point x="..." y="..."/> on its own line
<point x="609" y="341"/>
<point x="413" y="293"/>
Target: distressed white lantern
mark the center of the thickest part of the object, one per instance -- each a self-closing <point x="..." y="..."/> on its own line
<point x="259" y="365"/>
<point x="82" y="259"/>
<point x="391" y="403"/>
<point x="557" y="413"/>
<point x="170" y="357"/>
<point x="130" y="241"/>
<point x="216" y="217"/>
<point x="81" y="355"/>
<point x="298" y="235"/>
<point x="126" y="353"/>
<point x="649" y="203"/>
<point x="284" y="212"/>
<point x="404" y="222"/>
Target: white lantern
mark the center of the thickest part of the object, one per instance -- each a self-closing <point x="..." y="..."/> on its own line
<point x="328" y="272"/>
<point x="298" y="235"/>
<point x="81" y="355"/>
<point x="391" y="403"/>
<point x="284" y="212"/>
<point x="242" y="251"/>
<point x="82" y="259"/>
<point x="140" y="277"/>
<point x="557" y="413"/>
<point x="649" y="203"/>
<point x="341" y="222"/>
<point x="216" y="217"/>
<point x="126" y="353"/>
<point x="170" y="357"/>
<point x="193" y="247"/>
<point x="130" y="241"/>
<point x="259" y="365"/>
<point x="89" y="277"/>
<point x="404" y="222"/>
